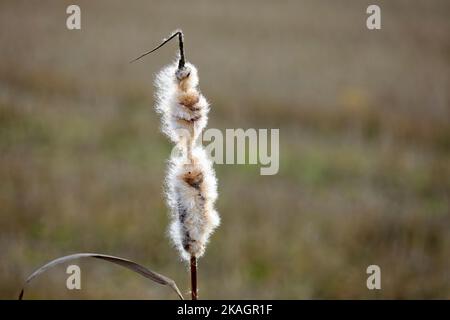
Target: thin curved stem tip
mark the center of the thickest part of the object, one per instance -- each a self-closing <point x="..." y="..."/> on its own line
<point x="178" y="33"/>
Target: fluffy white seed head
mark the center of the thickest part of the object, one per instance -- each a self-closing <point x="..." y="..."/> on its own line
<point x="183" y="108"/>
<point x="191" y="193"/>
<point x="191" y="185"/>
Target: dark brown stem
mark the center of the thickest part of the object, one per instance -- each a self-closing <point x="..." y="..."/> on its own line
<point x="181" y="47"/>
<point x="178" y="33"/>
<point x="194" y="277"/>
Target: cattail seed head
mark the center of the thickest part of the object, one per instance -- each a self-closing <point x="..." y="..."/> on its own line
<point x="191" y="193"/>
<point x="182" y="106"/>
<point x="191" y="185"/>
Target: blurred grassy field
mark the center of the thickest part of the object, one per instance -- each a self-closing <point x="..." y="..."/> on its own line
<point x="364" y="146"/>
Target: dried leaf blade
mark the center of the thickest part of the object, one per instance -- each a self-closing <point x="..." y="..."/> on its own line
<point x="131" y="265"/>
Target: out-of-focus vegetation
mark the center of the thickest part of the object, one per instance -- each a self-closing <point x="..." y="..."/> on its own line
<point x="364" y="146"/>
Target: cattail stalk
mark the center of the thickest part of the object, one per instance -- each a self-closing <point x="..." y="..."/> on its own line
<point x="194" y="278"/>
<point x="191" y="185"/>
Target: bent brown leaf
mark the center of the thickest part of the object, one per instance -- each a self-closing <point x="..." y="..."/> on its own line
<point x="149" y="274"/>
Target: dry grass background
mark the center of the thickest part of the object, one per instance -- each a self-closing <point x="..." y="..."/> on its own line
<point x="365" y="144"/>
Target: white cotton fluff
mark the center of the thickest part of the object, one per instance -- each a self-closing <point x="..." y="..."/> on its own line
<point x="191" y="185"/>
<point x="183" y="108"/>
<point x="191" y="193"/>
